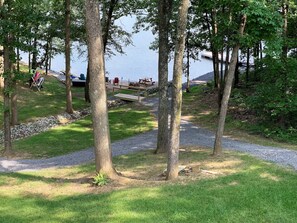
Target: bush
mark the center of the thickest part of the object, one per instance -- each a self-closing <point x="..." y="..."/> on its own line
<point x="275" y="98"/>
<point x="100" y="179"/>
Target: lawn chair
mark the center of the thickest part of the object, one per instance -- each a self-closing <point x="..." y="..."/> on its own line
<point x="38" y="83"/>
<point x="34" y="79"/>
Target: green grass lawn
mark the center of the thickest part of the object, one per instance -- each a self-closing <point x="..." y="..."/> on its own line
<point x="125" y="121"/>
<point x="234" y="188"/>
<point x="51" y="100"/>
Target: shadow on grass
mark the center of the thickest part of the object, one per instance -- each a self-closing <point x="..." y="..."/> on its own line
<point x="124" y="122"/>
<point x="243" y="197"/>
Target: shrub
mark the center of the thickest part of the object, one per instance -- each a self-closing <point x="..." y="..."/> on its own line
<point x="100" y="179"/>
<point x="275" y="98"/>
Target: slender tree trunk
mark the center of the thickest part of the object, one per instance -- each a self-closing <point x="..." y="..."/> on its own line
<point x="211" y="31"/>
<point x="261" y="50"/>
<point x="18" y="59"/>
<point x="87" y="86"/>
<point x="285" y="8"/>
<point x="14" y="100"/>
<point x="227" y="91"/>
<point x="108" y="21"/>
<point x="34" y="53"/>
<point x="47" y="55"/>
<point x="188" y="69"/>
<point x="220" y="82"/>
<point x="103" y="156"/>
<point x="7" y="88"/>
<point x="7" y="50"/>
<point x="69" y="108"/>
<point x="215" y="51"/>
<point x="164" y="11"/>
<point x="1" y="58"/>
<point x="236" y="75"/>
<point x="188" y="62"/>
<point x="247" y="72"/>
<point x="29" y="58"/>
<point x="1" y="67"/>
<point x="173" y="152"/>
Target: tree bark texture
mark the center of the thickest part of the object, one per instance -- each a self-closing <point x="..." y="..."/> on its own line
<point x="7" y="91"/>
<point x="105" y="36"/>
<point x="103" y="156"/>
<point x="164" y="12"/>
<point x="14" y="100"/>
<point x="69" y="108"/>
<point x="247" y="72"/>
<point x="34" y="53"/>
<point x="108" y="22"/>
<point x="87" y="87"/>
<point x="7" y="83"/>
<point x="285" y="9"/>
<point x="1" y="59"/>
<point x="174" y="135"/>
<point x="1" y="68"/>
<point x="227" y="91"/>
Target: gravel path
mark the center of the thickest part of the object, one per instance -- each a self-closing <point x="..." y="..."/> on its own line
<point x="190" y="135"/>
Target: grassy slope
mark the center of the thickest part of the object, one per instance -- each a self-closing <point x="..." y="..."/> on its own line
<point x="50" y="100"/>
<point x="124" y="121"/>
<point x="239" y="189"/>
<point x="32" y="104"/>
<point x="201" y="108"/>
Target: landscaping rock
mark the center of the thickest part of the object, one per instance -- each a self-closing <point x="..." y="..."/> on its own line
<point x="43" y="124"/>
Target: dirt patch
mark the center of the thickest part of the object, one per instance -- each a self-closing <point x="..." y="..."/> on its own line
<point x="146" y="172"/>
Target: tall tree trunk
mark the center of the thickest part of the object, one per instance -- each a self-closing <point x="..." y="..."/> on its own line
<point x="103" y="156"/>
<point x="18" y="58"/>
<point x="247" y="72"/>
<point x="211" y="31"/>
<point x="47" y="55"/>
<point x="164" y="12"/>
<point x="7" y="50"/>
<point x="188" y="68"/>
<point x="173" y="152"/>
<point x="1" y="58"/>
<point x="105" y="35"/>
<point x="1" y="68"/>
<point x="107" y="24"/>
<point x="34" y="53"/>
<point x="14" y="99"/>
<point x="69" y="108"/>
<point x="221" y="81"/>
<point x="227" y="61"/>
<point x="188" y="62"/>
<point x="285" y="8"/>
<point x="7" y="83"/>
<point x="215" y="51"/>
<point x="29" y="58"/>
<point x="236" y="75"/>
<point x="227" y="91"/>
<point x="87" y="86"/>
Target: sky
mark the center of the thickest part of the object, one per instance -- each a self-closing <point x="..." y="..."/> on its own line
<point x="138" y="62"/>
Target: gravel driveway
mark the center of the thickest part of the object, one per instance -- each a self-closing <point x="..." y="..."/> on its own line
<point x="190" y="135"/>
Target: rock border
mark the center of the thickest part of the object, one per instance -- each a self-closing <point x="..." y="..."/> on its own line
<point x="24" y="130"/>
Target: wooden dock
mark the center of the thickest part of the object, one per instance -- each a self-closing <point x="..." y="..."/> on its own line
<point x="129" y="97"/>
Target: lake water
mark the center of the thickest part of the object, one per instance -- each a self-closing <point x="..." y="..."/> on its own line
<point x="138" y="62"/>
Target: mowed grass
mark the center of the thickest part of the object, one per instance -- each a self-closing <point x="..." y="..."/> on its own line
<point x="51" y="100"/>
<point x="233" y="188"/>
<point x="125" y="121"/>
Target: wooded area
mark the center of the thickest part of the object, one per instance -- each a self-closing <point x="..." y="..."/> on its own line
<point x="260" y="35"/>
<point x="221" y="151"/>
